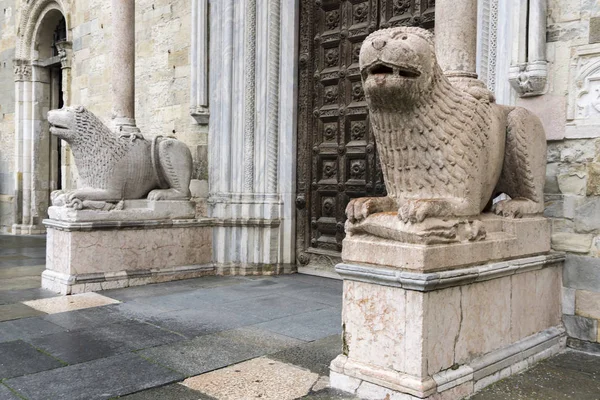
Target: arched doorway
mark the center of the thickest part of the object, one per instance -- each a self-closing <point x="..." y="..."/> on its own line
<point x="42" y="75"/>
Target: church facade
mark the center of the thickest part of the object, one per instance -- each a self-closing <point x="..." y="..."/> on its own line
<point x="267" y="95"/>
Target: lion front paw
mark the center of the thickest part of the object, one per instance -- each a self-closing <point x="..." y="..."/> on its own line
<point x="359" y="209"/>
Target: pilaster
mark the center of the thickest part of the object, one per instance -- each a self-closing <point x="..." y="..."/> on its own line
<point x="199" y="90"/>
<point x="252" y="134"/>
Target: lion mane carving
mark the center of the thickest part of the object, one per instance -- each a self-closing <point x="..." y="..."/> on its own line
<point x="446" y="148"/>
<point x="114" y="168"/>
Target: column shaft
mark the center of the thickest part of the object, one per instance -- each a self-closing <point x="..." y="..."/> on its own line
<point x="456" y="36"/>
<point x="123" y="62"/>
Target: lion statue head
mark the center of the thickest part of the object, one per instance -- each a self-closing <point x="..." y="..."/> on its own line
<point x="397" y="66"/>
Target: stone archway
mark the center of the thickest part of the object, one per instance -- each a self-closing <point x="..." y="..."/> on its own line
<point x="42" y="81"/>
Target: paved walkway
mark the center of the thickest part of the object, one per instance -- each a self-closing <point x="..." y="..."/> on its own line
<point x="207" y="338"/>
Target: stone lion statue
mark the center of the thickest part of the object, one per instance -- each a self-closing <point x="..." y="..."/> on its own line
<point x="113" y="168"/>
<point x="446" y="148"/>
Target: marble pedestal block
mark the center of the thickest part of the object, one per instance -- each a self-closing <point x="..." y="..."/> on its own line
<point x="87" y="253"/>
<point x="445" y="335"/>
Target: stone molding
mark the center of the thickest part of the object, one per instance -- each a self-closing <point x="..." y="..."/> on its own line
<point x="131" y="224"/>
<point x="528" y="73"/>
<point x="483" y="371"/>
<point x="74" y="284"/>
<point x="199" y="77"/>
<point x="427" y="282"/>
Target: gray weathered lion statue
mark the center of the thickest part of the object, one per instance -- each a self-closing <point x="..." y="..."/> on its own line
<point x="446" y="148"/>
<point x="114" y="168"/>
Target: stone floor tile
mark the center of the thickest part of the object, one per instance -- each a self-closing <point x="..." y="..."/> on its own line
<point x="7" y="394"/>
<point x="175" y="391"/>
<point x="78" y="346"/>
<point x="20" y="283"/>
<point x="17" y="311"/>
<point x="19" y="272"/>
<point x="20" y="358"/>
<point x="273" y="306"/>
<point x="210" y="352"/>
<point x="103" y="341"/>
<point x="314" y="356"/>
<point x="16" y="296"/>
<point x="27" y="328"/>
<point x="573" y="376"/>
<point x="32" y="252"/>
<point x="260" y="378"/>
<point x="329" y="394"/>
<point x="25" y="262"/>
<point x="199" y="322"/>
<point x="88" y="318"/>
<point x="308" y="326"/>
<point x="70" y="303"/>
<point x="99" y="379"/>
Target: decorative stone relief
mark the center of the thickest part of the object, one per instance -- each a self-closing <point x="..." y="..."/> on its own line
<point x="438" y="165"/>
<point x="113" y="168"/>
<point x="199" y="97"/>
<point x="583" y="113"/>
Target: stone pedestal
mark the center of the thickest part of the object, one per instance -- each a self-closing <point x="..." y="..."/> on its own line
<point x="491" y="310"/>
<point x="97" y="250"/>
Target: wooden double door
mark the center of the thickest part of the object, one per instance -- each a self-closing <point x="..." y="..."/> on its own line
<point x="337" y="159"/>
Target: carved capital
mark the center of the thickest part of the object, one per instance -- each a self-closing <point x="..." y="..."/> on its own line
<point x="65" y="52"/>
<point x="529" y="79"/>
<point x="200" y="114"/>
<point x="22" y="70"/>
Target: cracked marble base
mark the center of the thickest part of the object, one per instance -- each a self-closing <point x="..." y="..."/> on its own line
<point x="505" y="238"/>
<point x="102" y="255"/>
<point x="424" y="343"/>
<point x="136" y="210"/>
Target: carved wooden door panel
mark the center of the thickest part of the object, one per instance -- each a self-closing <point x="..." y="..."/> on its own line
<point x="337" y="159"/>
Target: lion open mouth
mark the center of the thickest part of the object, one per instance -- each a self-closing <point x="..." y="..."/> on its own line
<point x="398" y="70"/>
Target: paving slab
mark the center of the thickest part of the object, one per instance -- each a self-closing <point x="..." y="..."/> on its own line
<point x="570" y="375"/>
<point x="210" y="352"/>
<point x="99" y="379"/>
<point x="61" y="304"/>
<point x="314" y="356"/>
<point x="16" y="296"/>
<point x="329" y="394"/>
<point x="27" y="328"/>
<point x="18" y="272"/>
<point x="308" y="326"/>
<point x="273" y="306"/>
<point x="20" y="358"/>
<point x="17" y="311"/>
<point x="78" y="346"/>
<point x="88" y="318"/>
<point x="19" y="283"/>
<point x="23" y="262"/>
<point x="7" y="394"/>
<point x="194" y="323"/>
<point x="175" y="391"/>
<point x="260" y="378"/>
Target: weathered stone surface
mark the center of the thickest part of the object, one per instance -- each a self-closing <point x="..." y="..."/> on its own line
<point x="582" y="273"/>
<point x="594" y="30"/>
<point x="160" y="169"/>
<point x="587" y="304"/>
<point x="568" y="301"/>
<point x="260" y="378"/>
<point x="572" y="179"/>
<point x="581" y="328"/>
<point x="571" y="242"/>
<point x="587" y="215"/>
<point x="593" y="182"/>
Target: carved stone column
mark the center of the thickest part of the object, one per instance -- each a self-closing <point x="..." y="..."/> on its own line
<point x="123" y="64"/>
<point x="456" y="36"/>
<point x="252" y="134"/>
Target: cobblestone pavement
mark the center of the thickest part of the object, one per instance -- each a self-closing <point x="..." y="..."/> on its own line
<point x="206" y="338"/>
